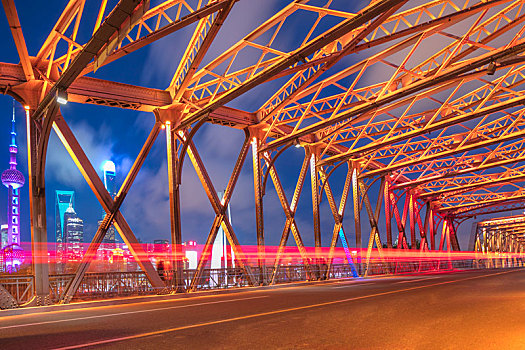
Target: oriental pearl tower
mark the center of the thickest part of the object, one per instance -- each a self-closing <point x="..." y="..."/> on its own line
<point x="13" y="179"/>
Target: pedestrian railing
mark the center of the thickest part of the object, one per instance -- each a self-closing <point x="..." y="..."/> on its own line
<point x="19" y="286"/>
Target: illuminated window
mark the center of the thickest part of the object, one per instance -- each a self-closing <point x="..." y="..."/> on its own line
<point x="15" y="220"/>
<point x="15" y="210"/>
<point x="15" y="200"/>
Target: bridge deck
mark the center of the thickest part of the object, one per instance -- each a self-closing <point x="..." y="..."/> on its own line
<point x="475" y="309"/>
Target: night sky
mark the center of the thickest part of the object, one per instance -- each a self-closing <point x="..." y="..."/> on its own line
<point x="110" y="133"/>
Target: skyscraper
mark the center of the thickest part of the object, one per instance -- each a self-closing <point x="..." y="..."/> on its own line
<point x="63" y="200"/>
<point x="3" y="235"/>
<point x="13" y="179"/>
<point x="109" y="177"/>
<point x="109" y="182"/>
<point x="73" y="235"/>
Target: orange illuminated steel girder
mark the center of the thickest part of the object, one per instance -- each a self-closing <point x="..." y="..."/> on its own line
<point x="440" y="170"/>
<point x="39" y="124"/>
<point x="389" y="51"/>
<point x="160" y="31"/>
<point x="428" y="127"/>
<point x="408" y="156"/>
<point x="447" y="122"/>
<point x="398" y="31"/>
<point x="491" y="209"/>
<point x="291" y="59"/>
<point x="497" y="91"/>
<point x="479" y="201"/>
<point x="502" y="129"/>
<point x="105" y="33"/>
<point x="16" y="29"/>
<point x="472" y="186"/>
<point x="154" y="24"/>
<point x="417" y="86"/>
<point x="114" y="94"/>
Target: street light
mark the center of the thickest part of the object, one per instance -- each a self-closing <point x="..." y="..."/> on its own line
<point x="62" y="97"/>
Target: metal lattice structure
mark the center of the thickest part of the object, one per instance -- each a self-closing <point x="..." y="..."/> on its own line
<point x="422" y="101"/>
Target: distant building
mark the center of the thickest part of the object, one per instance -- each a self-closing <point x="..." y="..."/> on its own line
<point x="13" y="179"/>
<point x="109" y="175"/>
<point x="73" y="235"/>
<point x="63" y="201"/>
<point x="3" y="243"/>
<point x="161" y="246"/>
<point x="222" y="255"/>
<point x="3" y="235"/>
<point x="190" y="252"/>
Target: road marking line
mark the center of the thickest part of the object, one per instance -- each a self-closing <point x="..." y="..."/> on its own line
<point x="142" y="335"/>
<point x="353" y="284"/>
<point x="416" y="280"/>
<point x="130" y="312"/>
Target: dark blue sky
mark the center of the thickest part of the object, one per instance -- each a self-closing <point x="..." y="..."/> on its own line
<point x="110" y="133"/>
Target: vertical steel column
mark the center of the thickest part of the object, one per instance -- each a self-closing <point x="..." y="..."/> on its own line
<point x="404" y="220"/>
<point x="412" y="217"/>
<point x="37" y="199"/>
<point x="357" y="214"/>
<point x="448" y="235"/>
<point x="431" y="227"/>
<point x="453" y="237"/>
<point x="315" y="206"/>
<point x="259" y="214"/>
<point x="175" y="220"/>
<point x="388" y="213"/>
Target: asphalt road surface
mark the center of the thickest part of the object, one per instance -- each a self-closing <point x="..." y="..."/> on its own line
<point x="460" y="310"/>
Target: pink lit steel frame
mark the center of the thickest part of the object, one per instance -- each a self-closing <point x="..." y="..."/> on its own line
<point x="437" y="135"/>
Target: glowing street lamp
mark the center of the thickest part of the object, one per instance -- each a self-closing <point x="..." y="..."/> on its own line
<point x="62" y="97"/>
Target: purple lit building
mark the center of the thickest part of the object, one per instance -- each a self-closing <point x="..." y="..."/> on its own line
<point x="13" y="179"/>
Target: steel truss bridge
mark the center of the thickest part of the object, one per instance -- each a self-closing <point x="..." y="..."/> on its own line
<point x="419" y="102"/>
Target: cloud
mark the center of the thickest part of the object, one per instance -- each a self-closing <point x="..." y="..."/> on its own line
<point x="147" y="204"/>
<point x="96" y="143"/>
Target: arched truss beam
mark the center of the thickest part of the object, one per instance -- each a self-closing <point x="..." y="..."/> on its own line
<point x="492" y="209"/>
<point x="320" y="108"/>
<point x="289" y="59"/>
<point x="405" y="157"/>
<point x="140" y="30"/>
<point x="366" y="108"/>
<point x="463" y="203"/>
